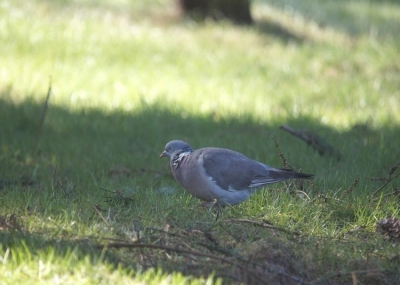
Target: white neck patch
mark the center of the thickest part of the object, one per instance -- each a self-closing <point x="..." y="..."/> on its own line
<point x="177" y="159"/>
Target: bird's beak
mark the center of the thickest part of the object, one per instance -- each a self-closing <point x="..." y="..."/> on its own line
<point x="164" y="154"/>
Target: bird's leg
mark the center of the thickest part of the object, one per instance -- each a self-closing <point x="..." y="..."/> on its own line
<point x="211" y="205"/>
<point x="219" y="211"/>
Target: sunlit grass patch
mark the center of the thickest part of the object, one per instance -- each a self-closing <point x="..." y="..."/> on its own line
<point x="204" y="69"/>
<point x="128" y="76"/>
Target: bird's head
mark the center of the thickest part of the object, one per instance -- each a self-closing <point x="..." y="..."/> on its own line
<point x="174" y="148"/>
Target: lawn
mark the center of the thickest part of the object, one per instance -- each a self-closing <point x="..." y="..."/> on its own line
<point x="91" y="91"/>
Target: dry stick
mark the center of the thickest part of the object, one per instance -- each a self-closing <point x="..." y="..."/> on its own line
<point x="396" y="192"/>
<point x="296" y="133"/>
<point x="304" y="193"/>
<point x="386" y="183"/>
<point x="163" y="232"/>
<point x="311" y="139"/>
<point x="101" y="216"/>
<point x="351" y="188"/>
<point x="118" y="196"/>
<point x="312" y="184"/>
<point x="263" y="225"/>
<point x="91" y="238"/>
<point x="341" y="273"/>
<point x="222" y="250"/>
<point x="285" y="165"/>
<point x="393" y="169"/>
<point x="235" y="237"/>
<point x="354" y="278"/>
<point x="193" y="252"/>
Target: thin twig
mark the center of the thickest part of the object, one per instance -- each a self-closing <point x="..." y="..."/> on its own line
<point x="396" y="192"/>
<point x="393" y="169"/>
<point x="263" y="225"/>
<point x="43" y="116"/>
<point x="342" y="273"/>
<point x="386" y="183"/>
<point x="285" y="165"/>
<point x="304" y="193"/>
<point x="57" y="182"/>
<point x="44" y="110"/>
<point x="352" y="187"/>
<point x="163" y="232"/>
<point x="101" y="216"/>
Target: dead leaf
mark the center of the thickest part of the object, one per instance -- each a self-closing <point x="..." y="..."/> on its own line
<point x="389" y="227"/>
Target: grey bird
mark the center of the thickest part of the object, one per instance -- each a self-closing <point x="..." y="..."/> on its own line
<point x="221" y="175"/>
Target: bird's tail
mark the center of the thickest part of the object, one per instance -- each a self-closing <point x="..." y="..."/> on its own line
<point x="283" y="174"/>
<point x="277" y="175"/>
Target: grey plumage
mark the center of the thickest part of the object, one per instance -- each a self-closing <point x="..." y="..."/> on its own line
<point x="222" y="174"/>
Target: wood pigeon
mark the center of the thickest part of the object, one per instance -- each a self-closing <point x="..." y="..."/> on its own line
<point x="221" y="175"/>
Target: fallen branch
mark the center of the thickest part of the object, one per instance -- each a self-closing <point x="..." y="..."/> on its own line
<point x="313" y="140"/>
<point x="263" y="225"/>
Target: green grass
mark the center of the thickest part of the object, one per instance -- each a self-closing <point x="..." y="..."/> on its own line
<point x="128" y="76"/>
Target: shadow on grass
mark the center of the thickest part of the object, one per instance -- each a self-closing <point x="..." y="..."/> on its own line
<point x="279" y="31"/>
<point x="90" y="141"/>
<point x="355" y="18"/>
<point x="84" y="144"/>
<point x="66" y="253"/>
<point x="341" y="16"/>
<point x="27" y="245"/>
<point x="352" y="18"/>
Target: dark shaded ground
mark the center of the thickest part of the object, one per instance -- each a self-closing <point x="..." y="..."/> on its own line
<point x="87" y="143"/>
<point x="136" y="139"/>
<point x="90" y="142"/>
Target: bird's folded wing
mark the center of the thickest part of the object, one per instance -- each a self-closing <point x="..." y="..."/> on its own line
<point x="233" y="171"/>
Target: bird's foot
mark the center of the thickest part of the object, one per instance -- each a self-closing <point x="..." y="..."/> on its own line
<point x="208" y="205"/>
<point x="211" y="205"/>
